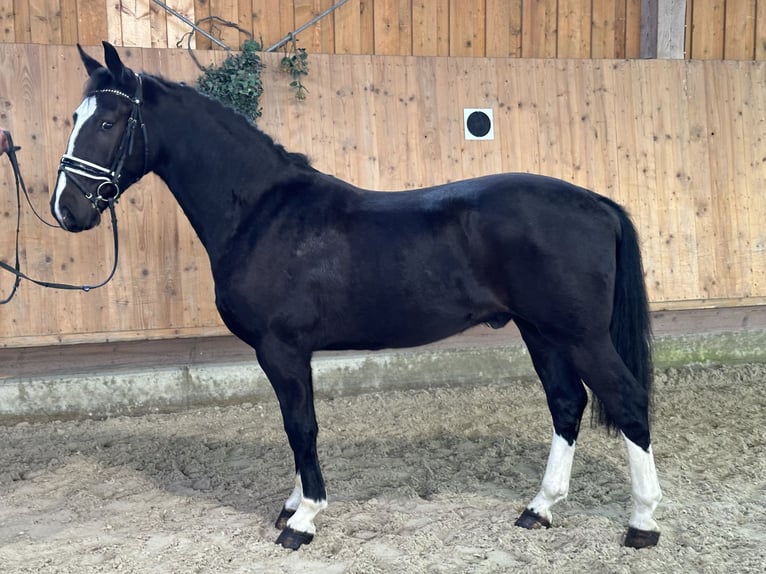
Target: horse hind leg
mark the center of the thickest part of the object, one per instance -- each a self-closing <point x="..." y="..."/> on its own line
<point x="626" y="404"/>
<point x="643" y="531"/>
<point x="566" y="398"/>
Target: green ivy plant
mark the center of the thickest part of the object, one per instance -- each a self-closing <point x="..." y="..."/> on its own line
<point x="237" y="81"/>
<point x="296" y="63"/>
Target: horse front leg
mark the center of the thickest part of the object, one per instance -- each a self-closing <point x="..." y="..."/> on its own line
<point x="289" y="372"/>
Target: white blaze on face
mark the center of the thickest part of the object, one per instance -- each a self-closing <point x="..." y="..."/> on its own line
<point x="83" y="113"/>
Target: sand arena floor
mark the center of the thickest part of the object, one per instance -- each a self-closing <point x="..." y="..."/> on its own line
<point x="419" y="481"/>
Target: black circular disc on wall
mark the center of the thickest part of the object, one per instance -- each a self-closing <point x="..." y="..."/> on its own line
<point x="478" y="124"/>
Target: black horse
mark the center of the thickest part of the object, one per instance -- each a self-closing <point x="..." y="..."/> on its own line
<point x="303" y="261"/>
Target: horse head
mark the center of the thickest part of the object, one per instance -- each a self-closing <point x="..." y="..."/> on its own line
<point x="107" y="150"/>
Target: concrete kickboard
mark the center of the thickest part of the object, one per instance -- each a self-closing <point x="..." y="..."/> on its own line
<point x="158" y="389"/>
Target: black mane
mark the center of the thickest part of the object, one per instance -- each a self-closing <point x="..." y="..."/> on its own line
<point x="236" y="121"/>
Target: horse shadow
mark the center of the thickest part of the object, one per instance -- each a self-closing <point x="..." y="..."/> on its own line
<point x="254" y="476"/>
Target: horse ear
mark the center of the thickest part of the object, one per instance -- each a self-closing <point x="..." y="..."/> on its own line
<point x="113" y="61"/>
<point x="91" y="64"/>
<point x="121" y="73"/>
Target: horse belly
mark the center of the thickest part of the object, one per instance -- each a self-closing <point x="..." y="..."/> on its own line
<point x="410" y="311"/>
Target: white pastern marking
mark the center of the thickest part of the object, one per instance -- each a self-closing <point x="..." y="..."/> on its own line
<point x="306" y="509"/>
<point x="303" y="519"/>
<point x="555" y="485"/>
<point x="294" y="500"/>
<point x="645" y="486"/>
<point x="83" y="113"/>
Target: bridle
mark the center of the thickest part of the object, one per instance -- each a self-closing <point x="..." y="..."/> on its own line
<point x="106" y="195"/>
<point x="109" y="190"/>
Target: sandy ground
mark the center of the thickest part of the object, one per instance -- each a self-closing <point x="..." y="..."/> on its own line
<point x="419" y="481"/>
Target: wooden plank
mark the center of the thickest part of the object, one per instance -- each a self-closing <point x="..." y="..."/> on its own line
<point x="739" y="33"/>
<point x="393" y="27"/>
<point x="158" y="20"/>
<point x="650" y="19"/>
<point x="642" y="113"/>
<point x="430" y="28"/>
<point x="226" y="10"/>
<point x="179" y="34"/>
<point x="325" y="28"/>
<point x="699" y="172"/>
<point x="201" y="10"/>
<point x="669" y="173"/>
<point x="7" y="22"/>
<point x="348" y="28"/>
<point x="91" y="23"/>
<point x="425" y="103"/>
<point x="621" y="135"/>
<point x="320" y="37"/>
<point x="22" y="26"/>
<point x="244" y="19"/>
<point x="114" y="24"/>
<point x="707" y="30"/>
<point x="367" y="24"/>
<point x="608" y="29"/>
<point x="467" y="28"/>
<point x="270" y="24"/>
<point x="760" y="31"/>
<point x="752" y="177"/>
<point x="574" y="28"/>
<point x="69" y="31"/>
<point x="671" y="28"/>
<point x="632" y="28"/>
<point x="726" y="246"/>
<point x="503" y="28"/>
<point x="742" y="162"/>
<point x="538" y="29"/>
<point x="45" y="21"/>
<point x="510" y="115"/>
<point x="136" y="23"/>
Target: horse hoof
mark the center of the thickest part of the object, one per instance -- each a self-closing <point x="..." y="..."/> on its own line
<point x="636" y="538"/>
<point x="292" y="539"/>
<point x="531" y="520"/>
<point x="283" y="517"/>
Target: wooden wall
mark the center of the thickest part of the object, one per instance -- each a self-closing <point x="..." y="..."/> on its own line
<point x="679" y="142"/>
<point x="732" y="29"/>
<point x="528" y="28"/>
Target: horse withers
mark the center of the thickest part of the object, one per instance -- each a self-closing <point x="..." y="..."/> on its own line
<point x="304" y="262"/>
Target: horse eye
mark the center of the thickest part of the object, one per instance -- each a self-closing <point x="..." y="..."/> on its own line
<point x="107" y="125"/>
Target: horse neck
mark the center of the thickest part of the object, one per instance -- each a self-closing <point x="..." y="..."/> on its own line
<point x="216" y="169"/>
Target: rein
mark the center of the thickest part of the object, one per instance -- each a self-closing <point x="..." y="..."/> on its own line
<point x="16" y="268"/>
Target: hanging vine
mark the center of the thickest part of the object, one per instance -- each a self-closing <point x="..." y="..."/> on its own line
<point x="295" y="62"/>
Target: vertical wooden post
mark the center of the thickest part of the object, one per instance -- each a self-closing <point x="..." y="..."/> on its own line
<point x="663" y="27"/>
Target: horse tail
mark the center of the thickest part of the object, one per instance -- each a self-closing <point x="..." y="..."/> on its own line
<point x="630" y="327"/>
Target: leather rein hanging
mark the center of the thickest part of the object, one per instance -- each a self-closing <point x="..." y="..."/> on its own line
<point x="107" y="194"/>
